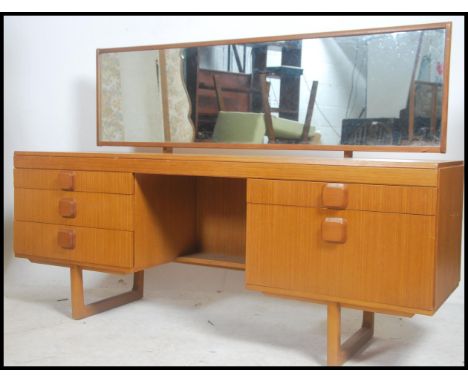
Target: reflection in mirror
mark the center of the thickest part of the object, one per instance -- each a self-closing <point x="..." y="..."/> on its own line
<point x="130" y="97"/>
<point x="371" y="89"/>
<point x="143" y="97"/>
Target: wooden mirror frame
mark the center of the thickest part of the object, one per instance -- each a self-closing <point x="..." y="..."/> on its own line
<point x="281" y="146"/>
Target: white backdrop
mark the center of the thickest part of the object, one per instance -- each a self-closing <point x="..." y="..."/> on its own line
<point x="49" y="72"/>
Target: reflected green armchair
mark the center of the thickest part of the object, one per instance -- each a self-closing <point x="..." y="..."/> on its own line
<point x="239" y="127"/>
<point x="245" y="127"/>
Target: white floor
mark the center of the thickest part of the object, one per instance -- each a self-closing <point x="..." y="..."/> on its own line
<point x="220" y="323"/>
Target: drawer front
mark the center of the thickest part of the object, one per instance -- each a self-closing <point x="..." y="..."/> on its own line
<point x="109" y="211"/>
<point x="87" y="246"/>
<point x="376" y="257"/>
<point x="364" y="197"/>
<point x="87" y="181"/>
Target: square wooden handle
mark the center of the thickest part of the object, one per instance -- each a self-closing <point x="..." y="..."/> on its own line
<point x="66" y="238"/>
<point x="67" y="180"/>
<point x="334" y="230"/>
<point x="335" y="195"/>
<point x="67" y="207"/>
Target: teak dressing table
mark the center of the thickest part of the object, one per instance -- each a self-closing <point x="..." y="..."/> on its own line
<point x="375" y="235"/>
<point x="380" y="236"/>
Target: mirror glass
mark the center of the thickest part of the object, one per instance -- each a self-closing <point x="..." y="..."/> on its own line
<point x="131" y="97"/>
<point x="382" y="89"/>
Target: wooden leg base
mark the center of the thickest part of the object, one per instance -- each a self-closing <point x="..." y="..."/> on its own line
<point x="338" y="353"/>
<point x="80" y="310"/>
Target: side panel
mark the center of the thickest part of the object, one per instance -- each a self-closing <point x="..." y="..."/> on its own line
<point x="165" y="218"/>
<point x="449" y="220"/>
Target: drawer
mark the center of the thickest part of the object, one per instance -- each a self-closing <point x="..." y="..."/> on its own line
<point x="87" y="181"/>
<point x="82" y="245"/>
<point x="111" y="211"/>
<point x="364" y="197"/>
<point x="385" y="258"/>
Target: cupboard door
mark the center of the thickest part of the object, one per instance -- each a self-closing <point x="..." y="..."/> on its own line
<point x="385" y="258"/>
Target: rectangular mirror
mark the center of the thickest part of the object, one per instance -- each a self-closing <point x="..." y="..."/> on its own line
<point x="369" y="90"/>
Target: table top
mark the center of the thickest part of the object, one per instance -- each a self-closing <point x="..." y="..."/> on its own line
<point x="278" y="159"/>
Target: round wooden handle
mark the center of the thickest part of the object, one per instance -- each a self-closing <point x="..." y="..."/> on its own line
<point x="66" y="238"/>
<point x="334" y="230"/>
<point x="67" y="207"/>
<point x="66" y="180"/>
<point x="335" y="195"/>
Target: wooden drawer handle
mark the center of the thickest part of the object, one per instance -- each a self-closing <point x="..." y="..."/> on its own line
<point x="67" y="180"/>
<point x="67" y="207"/>
<point x="335" y="195"/>
<point x="66" y="238"/>
<point x="334" y="230"/>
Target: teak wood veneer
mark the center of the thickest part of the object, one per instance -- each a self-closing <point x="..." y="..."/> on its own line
<point x="375" y="235"/>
